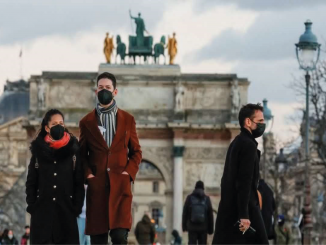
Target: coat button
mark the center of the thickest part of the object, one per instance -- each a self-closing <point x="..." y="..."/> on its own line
<point x="55" y="162"/>
<point x="55" y="174"/>
<point x="53" y="198"/>
<point x="54" y="186"/>
<point x="70" y="196"/>
<point x="108" y="169"/>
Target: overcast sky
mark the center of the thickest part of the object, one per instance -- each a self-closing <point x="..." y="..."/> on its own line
<point x="252" y="38"/>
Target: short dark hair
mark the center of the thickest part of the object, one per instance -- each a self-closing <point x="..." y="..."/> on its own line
<point x="108" y="76"/>
<point x="247" y="111"/>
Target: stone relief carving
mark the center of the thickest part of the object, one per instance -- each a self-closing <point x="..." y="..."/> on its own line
<point x="192" y="153"/>
<point x="211" y="173"/>
<point x="71" y="95"/>
<point x="16" y="128"/>
<point x="206" y="98"/>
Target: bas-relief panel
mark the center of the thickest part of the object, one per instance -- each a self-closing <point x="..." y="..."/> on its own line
<point x="208" y="97"/>
<point x="205" y="164"/>
<point x="12" y="143"/>
<point x="71" y="95"/>
<point x="208" y="172"/>
<point x="145" y="97"/>
<point x="208" y="153"/>
<point x="33" y="95"/>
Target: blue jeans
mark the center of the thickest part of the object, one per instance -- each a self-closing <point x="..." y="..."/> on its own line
<point x="83" y="239"/>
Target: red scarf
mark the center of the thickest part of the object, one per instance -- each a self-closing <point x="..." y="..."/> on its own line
<point x="57" y="144"/>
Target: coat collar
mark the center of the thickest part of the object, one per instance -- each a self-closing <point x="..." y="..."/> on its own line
<point x="41" y="149"/>
<point x="92" y="125"/>
<point x="246" y="133"/>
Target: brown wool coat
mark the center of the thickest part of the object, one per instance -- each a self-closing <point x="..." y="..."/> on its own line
<point x="103" y="212"/>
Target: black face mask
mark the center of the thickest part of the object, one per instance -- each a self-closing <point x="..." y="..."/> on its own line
<point x="57" y="132"/>
<point x="105" y="97"/>
<point x="259" y="131"/>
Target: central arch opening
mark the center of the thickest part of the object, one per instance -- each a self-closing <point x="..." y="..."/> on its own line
<point x="149" y="191"/>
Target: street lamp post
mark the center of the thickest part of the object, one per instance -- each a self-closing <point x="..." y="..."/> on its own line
<point x="307" y="51"/>
<point x="267" y="116"/>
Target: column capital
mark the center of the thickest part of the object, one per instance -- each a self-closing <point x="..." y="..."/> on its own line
<point x="178" y="151"/>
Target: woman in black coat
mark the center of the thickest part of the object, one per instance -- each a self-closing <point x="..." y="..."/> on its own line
<point x="54" y="186"/>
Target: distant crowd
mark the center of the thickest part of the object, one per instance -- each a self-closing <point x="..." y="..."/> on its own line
<point x="7" y="237"/>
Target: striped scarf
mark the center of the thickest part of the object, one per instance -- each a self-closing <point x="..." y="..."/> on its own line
<point x="108" y="119"/>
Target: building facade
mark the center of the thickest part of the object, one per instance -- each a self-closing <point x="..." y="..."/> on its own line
<point x="185" y="123"/>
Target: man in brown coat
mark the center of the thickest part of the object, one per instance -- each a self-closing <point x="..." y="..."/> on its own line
<point x="111" y="155"/>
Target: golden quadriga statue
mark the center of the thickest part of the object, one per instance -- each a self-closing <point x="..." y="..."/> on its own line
<point x="108" y="48"/>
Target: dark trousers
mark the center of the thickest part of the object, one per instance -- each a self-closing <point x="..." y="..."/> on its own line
<point x="197" y="237"/>
<point x="53" y="243"/>
<point x="118" y="236"/>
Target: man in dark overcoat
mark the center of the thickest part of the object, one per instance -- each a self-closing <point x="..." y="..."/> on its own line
<point x="239" y="198"/>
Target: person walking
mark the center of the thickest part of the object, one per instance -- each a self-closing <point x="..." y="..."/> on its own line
<point x="81" y="221"/>
<point x="145" y="231"/>
<point x="268" y="208"/>
<point x="177" y="239"/>
<point x="111" y="156"/>
<point x="283" y="232"/>
<point x="55" y="183"/>
<point x="197" y="216"/>
<point x="10" y="239"/>
<point x="239" y="197"/>
<point x="25" y="237"/>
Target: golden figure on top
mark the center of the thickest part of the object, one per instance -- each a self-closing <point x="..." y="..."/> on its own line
<point x="172" y="48"/>
<point x="108" y="47"/>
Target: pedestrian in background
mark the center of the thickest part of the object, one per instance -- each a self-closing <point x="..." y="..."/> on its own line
<point x="81" y="220"/>
<point x="197" y="216"/>
<point x="10" y="239"/>
<point x="25" y="237"/>
<point x="177" y="240"/>
<point x="283" y="232"/>
<point x="145" y="231"/>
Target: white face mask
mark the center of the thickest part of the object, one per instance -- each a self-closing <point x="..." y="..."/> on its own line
<point x="10" y="236"/>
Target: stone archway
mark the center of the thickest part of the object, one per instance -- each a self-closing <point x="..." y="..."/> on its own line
<point x="161" y="157"/>
<point x="150" y="195"/>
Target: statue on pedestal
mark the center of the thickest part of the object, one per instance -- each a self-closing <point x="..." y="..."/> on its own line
<point x="140" y="45"/>
<point x="172" y="48"/>
<point x="179" y="98"/>
<point x="235" y="100"/>
<point x="108" y="48"/>
<point x="140" y="28"/>
<point x="41" y="94"/>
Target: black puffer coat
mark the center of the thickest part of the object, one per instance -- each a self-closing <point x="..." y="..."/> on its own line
<point x="55" y="192"/>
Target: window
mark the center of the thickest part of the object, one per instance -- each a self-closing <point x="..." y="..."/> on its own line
<point x="155" y="187"/>
<point x="156" y="215"/>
